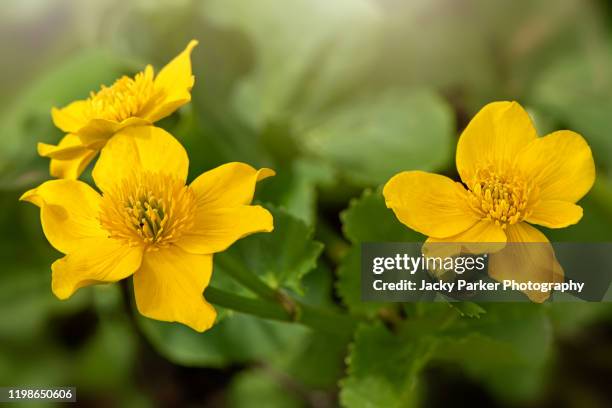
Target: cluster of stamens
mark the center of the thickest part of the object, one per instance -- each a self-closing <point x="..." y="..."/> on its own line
<point x="127" y="97"/>
<point x="149" y="209"/>
<point x="501" y="196"/>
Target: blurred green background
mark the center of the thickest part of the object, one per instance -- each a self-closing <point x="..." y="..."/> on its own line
<point x="336" y="96"/>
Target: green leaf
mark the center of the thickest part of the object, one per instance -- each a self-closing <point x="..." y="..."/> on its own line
<point x="258" y="387"/>
<point x="366" y="220"/>
<point x="294" y="188"/>
<point x="238" y="338"/>
<point x="507" y="348"/>
<point x="575" y="90"/>
<point x="296" y="73"/>
<point x="372" y="138"/>
<point x="369" y="220"/>
<point x="383" y="369"/>
<point x="25" y="293"/>
<point x="468" y="309"/>
<point x="281" y="258"/>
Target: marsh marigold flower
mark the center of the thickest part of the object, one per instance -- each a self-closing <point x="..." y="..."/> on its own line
<point x="141" y="100"/>
<point x="147" y="223"/>
<point x="511" y="178"/>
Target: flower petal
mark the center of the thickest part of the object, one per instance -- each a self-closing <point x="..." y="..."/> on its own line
<point x="169" y="287"/>
<point x="174" y="81"/>
<point x="217" y="228"/>
<point x="99" y="131"/>
<point x="143" y="148"/>
<point x="228" y="185"/>
<point x="497" y="133"/>
<point x="68" y="212"/>
<point x="431" y="204"/>
<point x="68" y="148"/>
<point x="71" y="168"/>
<point x="555" y="214"/>
<point x="95" y="260"/>
<point x="484" y="237"/>
<point x="70" y="118"/>
<point x="69" y="158"/>
<point x="561" y="164"/>
<point x="528" y="256"/>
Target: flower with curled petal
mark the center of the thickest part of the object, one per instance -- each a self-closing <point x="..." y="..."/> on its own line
<point x="141" y="100"/>
<point x="511" y="178"/>
<point x="147" y="223"/>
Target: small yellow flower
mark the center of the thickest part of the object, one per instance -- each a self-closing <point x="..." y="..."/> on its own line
<point x="141" y="100"/>
<point x="149" y="224"/>
<point x="511" y="178"/>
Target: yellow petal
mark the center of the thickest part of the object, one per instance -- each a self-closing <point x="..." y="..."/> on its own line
<point x="493" y="137"/>
<point x="174" y="82"/>
<point x="69" y="147"/>
<point x="217" y="228"/>
<point x="69" y="212"/>
<point x="71" y="168"/>
<point x="98" y="131"/>
<point x="484" y="237"/>
<point x="561" y="164"/>
<point x="95" y="260"/>
<point x="228" y="185"/>
<point x="169" y="287"/>
<point x="431" y="204"/>
<point x="69" y="158"/>
<point x="555" y="214"/>
<point x="144" y="148"/>
<point x="528" y="256"/>
<point x="71" y="118"/>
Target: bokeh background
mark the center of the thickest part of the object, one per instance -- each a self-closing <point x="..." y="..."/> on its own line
<point x="337" y="96"/>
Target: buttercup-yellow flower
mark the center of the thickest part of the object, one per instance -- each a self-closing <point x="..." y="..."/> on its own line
<point x="511" y="178"/>
<point x="91" y="122"/>
<point x="149" y="224"/>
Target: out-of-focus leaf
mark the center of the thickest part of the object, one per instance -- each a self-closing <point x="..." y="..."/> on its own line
<point x="281" y="258"/>
<point x="236" y="339"/>
<point x="570" y="314"/>
<point x="27" y="302"/>
<point x="28" y="120"/>
<point x="257" y="388"/>
<point x="575" y="90"/>
<point x="296" y="73"/>
<point x="372" y="138"/>
<point x="596" y="222"/>
<point x="295" y="188"/>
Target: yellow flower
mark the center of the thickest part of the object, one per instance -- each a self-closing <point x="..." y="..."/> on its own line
<point x="511" y="178"/>
<point x="149" y="224"/>
<point x="91" y="122"/>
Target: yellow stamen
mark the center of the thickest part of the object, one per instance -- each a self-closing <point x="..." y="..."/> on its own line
<point x="501" y="196"/>
<point x="127" y="97"/>
<point x="148" y="208"/>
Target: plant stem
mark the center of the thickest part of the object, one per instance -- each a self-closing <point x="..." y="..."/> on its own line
<point x="246" y="277"/>
<point x="326" y="321"/>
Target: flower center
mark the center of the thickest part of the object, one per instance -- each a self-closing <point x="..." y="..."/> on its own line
<point x="127" y="97"/>
<point x="503" y="197"/>
<point x="148" y="208"/>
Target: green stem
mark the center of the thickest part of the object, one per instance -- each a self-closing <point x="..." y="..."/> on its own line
<point x="245" y="277"/>
<point x="317" y="319"/>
